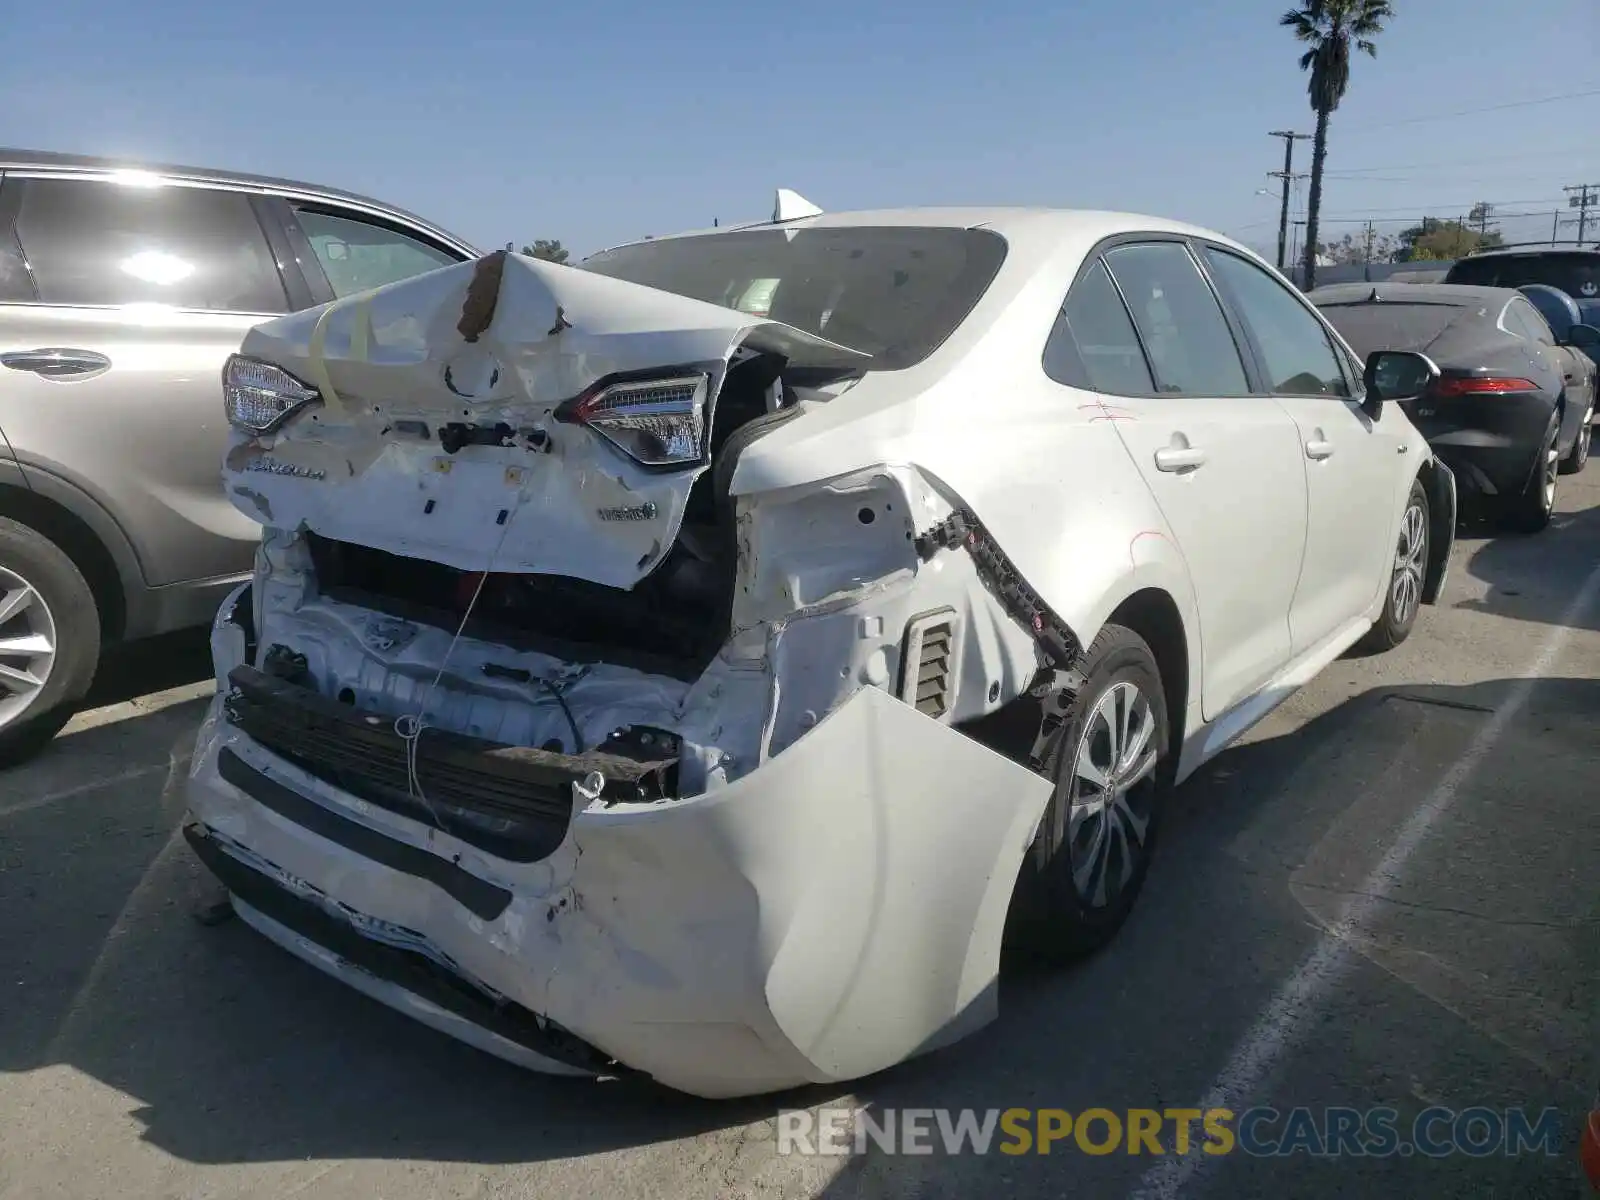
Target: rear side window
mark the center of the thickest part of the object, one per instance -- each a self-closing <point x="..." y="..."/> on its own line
<point x="1191" y="348"/>
<point x="1093" y="344"/>
<point x="104" y="243"/>
<point x="1524" y="320"/>
<point x="358" y="255"/>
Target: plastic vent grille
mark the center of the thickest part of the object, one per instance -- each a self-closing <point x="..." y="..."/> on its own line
<point x="928" y="675"/>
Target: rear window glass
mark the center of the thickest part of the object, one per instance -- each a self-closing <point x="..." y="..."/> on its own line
<point x="1576" y="274"/>
<point x="895" y="292"/>
<point x="1391" y="326"/>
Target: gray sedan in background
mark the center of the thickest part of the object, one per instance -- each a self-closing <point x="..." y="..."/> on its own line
<point x="1511" y="408"/>
<point x="123" y="290"/>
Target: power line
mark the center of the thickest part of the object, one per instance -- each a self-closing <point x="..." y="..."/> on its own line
<point x="1454" y="162"/>
<point x="1472" y="112"/>
<point x="1454" y="206"/>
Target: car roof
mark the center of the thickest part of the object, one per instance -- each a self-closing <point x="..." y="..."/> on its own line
<point x="1018" y="225"/>
<point x="1459" y="295"/>
<point x="48" y="160"/>
<point x="1531" y="251"/>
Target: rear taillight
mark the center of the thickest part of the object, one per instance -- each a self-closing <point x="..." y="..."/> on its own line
<point x="1481" y="385"/>
<point x="656" y="422"/>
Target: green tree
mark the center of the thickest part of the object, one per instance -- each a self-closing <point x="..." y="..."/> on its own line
<point x="1332" y="29"/>
<point x="548" y="249"/>
<point x="1353" y="249"/>
<point x="1438" y="240"/>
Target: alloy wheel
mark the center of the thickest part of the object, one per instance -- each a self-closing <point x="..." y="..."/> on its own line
<point x="1408" y="564"/>
<point x="27" y="645"/>
<point x="1552" y="465"/>
<point x="1112" y="788"/>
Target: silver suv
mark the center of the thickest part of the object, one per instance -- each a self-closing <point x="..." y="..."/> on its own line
<point x="122" y="292"/>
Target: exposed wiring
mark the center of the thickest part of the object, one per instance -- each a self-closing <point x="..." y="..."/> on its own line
<point x="409" y="727"/>
<point x="572" y="721"/>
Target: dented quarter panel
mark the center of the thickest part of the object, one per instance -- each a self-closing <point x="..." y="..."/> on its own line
<point x="1041" y="466"/>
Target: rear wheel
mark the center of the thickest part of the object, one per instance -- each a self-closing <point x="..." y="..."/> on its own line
<point x="1112" y="768"/>
<point x="1531" y="509"/>
<point x="1578" y="457"/>
<point x="1403" y="600"/>
<point x="49" y="640"/>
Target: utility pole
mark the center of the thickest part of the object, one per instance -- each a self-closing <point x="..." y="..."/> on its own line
<point x="1287" y="174"/>
<point x="1368" y="257"/>
<point x="1555" y="225"/>
<point x="1583" y="197"/>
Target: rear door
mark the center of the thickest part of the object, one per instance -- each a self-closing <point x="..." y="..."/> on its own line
<point x="111" y="369"/>
<point x="1223" y="464"/>
<point x="1353" y="463"/>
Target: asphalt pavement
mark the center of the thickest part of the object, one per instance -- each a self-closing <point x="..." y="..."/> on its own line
<point x="1389" y="896"/>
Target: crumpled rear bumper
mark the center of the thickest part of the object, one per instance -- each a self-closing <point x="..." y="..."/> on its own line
<point x="833" y="912"/>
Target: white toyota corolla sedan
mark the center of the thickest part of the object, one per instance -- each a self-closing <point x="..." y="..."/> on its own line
<point x="700" y="662"/>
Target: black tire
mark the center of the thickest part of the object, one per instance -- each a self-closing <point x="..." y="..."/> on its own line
<point x="30" y="556"/>
<point x="1402" y="598"/>
<point x="1052" y="917"/>
<point x="1530" y="510"/>
<point x="1578" y="457"/>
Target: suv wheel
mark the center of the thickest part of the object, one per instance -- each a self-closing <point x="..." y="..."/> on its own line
<point x="1112" y="767"/>
<point x="1403" y="600"/>
<point x="1530" y="511"/>
<point x="49" y="640"/>
<point x="1578" y="456"/>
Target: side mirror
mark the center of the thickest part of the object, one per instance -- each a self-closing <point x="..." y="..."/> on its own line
<point x="1585" y="338"/>
<point x="1397" y="375"/>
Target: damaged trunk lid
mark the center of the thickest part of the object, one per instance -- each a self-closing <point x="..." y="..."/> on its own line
<point x="507" y="415"/>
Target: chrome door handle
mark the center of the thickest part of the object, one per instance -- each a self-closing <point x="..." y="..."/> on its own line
<point x="1319" y="449"/>
<point x="53" y="362"/>
<point x="1176" y="458"/>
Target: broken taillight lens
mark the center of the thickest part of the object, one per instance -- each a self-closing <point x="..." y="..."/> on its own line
<point x="258" y="397"/>
<point x="655" y="422"/>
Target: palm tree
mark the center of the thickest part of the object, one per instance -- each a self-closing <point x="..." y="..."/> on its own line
<point x="1330" y="28"/>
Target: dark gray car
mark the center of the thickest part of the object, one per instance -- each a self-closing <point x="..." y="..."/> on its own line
<point x="123" y="289"/>
<point x="1511" y="408"/>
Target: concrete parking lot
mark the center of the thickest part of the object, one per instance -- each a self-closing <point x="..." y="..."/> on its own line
<point x="1389" y="896"/>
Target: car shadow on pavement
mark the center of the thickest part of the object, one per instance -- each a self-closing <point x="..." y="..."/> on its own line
<point x="1533" y="577"/>
<point x="153" y="665"/>
<point x="224" y="1049"/>
<point x="1241" y="893"/>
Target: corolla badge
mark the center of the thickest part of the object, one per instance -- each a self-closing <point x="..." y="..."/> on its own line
<point x="629" y="512"/>
<point x="273" y="466"/>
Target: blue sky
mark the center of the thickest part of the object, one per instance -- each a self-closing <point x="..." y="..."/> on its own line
<point x="603" y="120"/>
